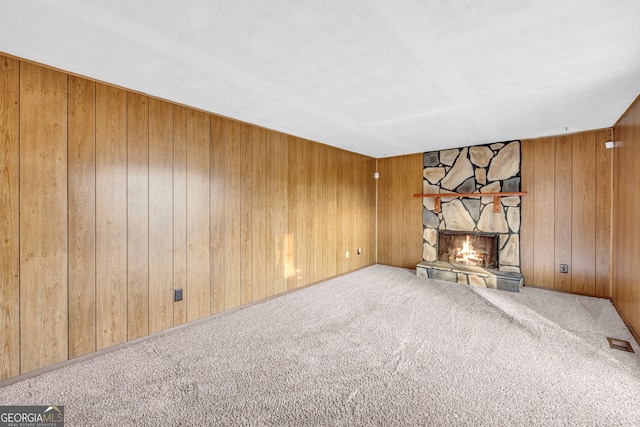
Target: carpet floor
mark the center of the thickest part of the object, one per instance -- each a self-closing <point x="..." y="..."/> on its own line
<point x="379" y="346"/>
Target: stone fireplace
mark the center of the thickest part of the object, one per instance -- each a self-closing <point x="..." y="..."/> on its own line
<point x="473" y="240"/>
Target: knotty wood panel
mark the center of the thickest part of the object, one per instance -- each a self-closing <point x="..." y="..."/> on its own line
<point x="527" y="179"/>
<point x="583" y="214"/>
<point x="563" y="210"/>
<point x="82" y="216"/>
<point x="198" y="216"/>
<point x="44" y="283"/>
<point x="160" y="215"/>
<point x="260" y="256"/>
<point x="246" y="213"/>
<point x="218" y="125"/>
<point x="9" y="219"/>
<point x="400" y="214"/>
<point x="544" y="190"/>
<point x="180" y="211"/>
<point x="138" y="215"/>
<point x="281" y="238"/>
<point x="603" y="203"/>
<point x="232" y="197"/>
<point x="626" y="289"/>
<point x="111" y="216"/>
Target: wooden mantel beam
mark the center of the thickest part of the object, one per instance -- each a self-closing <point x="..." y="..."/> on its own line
<point x="496" y="197"/>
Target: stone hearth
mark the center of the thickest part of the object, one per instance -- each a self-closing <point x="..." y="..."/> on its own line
<point x="492" y="168"/>
<point x="470" y="275"/>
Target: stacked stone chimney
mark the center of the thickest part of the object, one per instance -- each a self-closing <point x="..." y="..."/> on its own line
<point x="489" y="168"/>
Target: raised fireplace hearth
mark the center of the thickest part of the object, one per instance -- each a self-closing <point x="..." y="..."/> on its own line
<point x="470" y="275"/>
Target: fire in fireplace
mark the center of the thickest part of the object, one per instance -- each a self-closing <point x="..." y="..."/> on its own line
<point x="469" y="248"/>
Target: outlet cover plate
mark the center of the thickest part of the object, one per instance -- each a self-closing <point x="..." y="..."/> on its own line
<point x="178" y="295"/>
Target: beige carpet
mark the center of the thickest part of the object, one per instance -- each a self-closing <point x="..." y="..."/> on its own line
<point x="375" y="347"/>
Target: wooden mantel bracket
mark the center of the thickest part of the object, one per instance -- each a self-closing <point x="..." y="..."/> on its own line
<point x="496" y="197"/>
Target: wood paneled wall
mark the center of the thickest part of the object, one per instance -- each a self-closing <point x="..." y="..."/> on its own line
<point x="566" y="215"/>
<point x="626" y="236"/>
<point x="110" y="200"/>
<point x="399" y="213"/>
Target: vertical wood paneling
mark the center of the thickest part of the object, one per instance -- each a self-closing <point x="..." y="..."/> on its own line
<point x="139" y="197"/>
<point x="343" y="212"/>
<point x="218" y="125"/>
<point x="626" y="289"/>
<point x="319" y="206"/>
<point x="563" y="209"/>
<point x="43" y="217"/>
<point x="581" y="224"/>
<point x="544" y="194"/>
<point x="583" y="214"/>
<point x="615" y="241"/>
<point x="373" y="216"/>
<point x="198" y="216"/>
<point x="349" y="214"/>
<point x="399" y="213"/>
<point x="330" y="180"/>
<point x="311" y="248"/>
<point x="180" y="211"/>
<point x="259" y="254"/>
<point x="9" y="218"/>
<point x="297" y="218"/>
<point x="246" y="214"/>
<point x="82" y="216"/>
<point x="603" y="214"/>
<point x="160" y="215"/>
<point x="138" y="215"/>
<point x="111" y="216"/>
<point x="232" y="197"/>
<point x="281" y="237"/>
<point x="364" y="185"/>
<point x="527" y="177"/>
<point x="385" y="212"/>
<point x="269" y="199"/>
<point x="371" y="199"/>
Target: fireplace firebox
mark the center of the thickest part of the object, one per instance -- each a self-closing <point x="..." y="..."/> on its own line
<point x="468" y="248"/>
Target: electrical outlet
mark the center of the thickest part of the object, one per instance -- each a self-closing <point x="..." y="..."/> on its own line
<point x="359" y="251"/>
<point x="347" y="254"/>
<point x="564" y="268"/>
<point x="178" y="294"/>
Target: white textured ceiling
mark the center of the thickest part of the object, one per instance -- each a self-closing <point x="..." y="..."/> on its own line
<point x="378" y="77"/>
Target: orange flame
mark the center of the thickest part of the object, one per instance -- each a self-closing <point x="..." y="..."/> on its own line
<point x="467" y="255"/>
